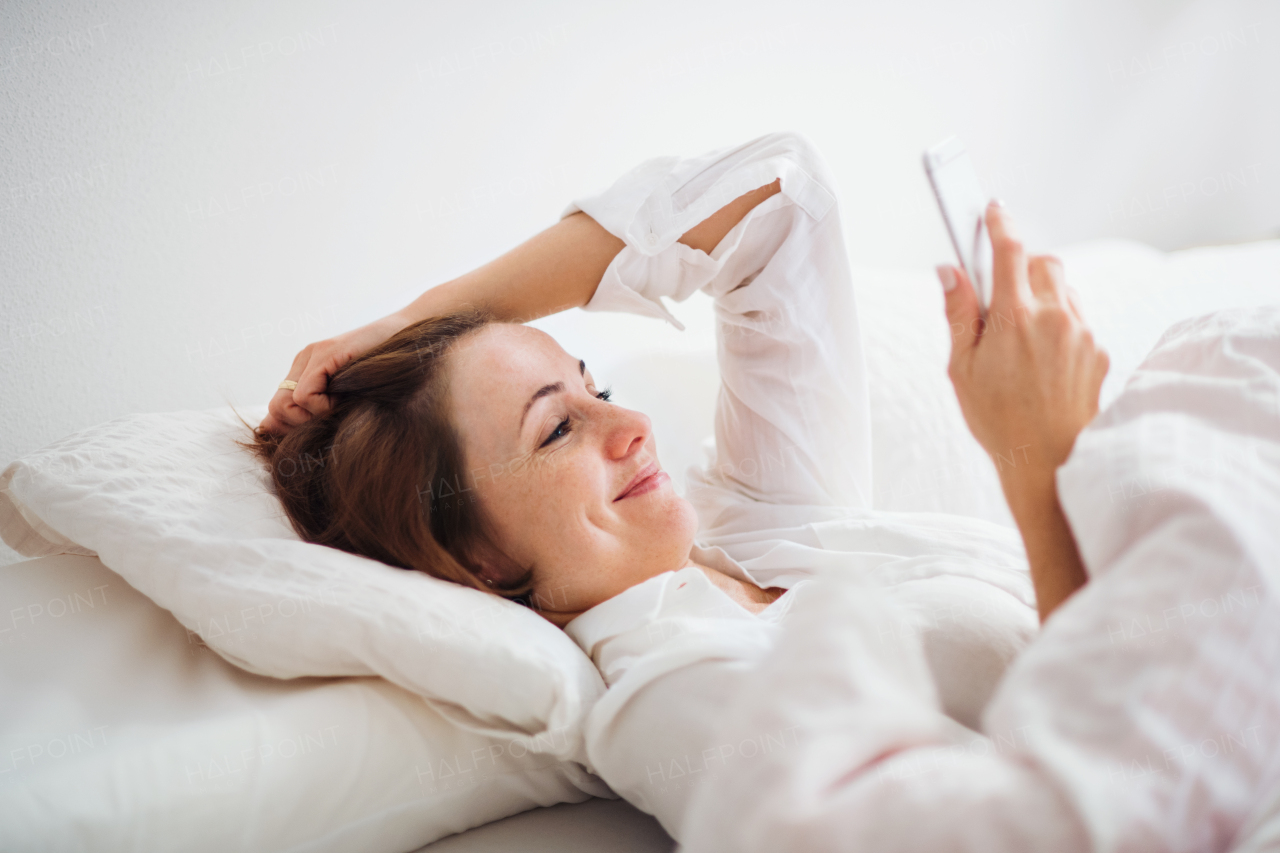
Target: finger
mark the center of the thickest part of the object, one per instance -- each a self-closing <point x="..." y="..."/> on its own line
<point x="1047" y="280"/>
<point x="1095" y="368"/>
<point x="963" y="312"/>
<point x="283" y="405"/>
<point x="310" y="394"/>
<point x="1073" y="301"/>
<point x="286" y="410"/>
<point x="275" y="421"/>
<point x="1101" y="366"/>
<point x="1010" y="289"/>
<point x="270" y="424"/>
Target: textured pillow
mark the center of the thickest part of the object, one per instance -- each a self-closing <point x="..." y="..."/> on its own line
<point x="186" y="516"/>
<point x="120" y="731"/>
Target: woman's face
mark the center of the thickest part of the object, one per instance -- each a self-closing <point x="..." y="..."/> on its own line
<point x="569" y="483"/>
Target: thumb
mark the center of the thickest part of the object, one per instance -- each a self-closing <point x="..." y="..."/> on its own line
<point x="962" y="309"/>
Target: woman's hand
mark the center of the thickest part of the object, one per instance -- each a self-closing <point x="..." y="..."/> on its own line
<point x="315" y="364"/>
<point x="1027" y="378"/>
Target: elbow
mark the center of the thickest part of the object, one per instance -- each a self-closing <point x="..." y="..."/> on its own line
<point x="814" y="187"/>
<point x="800" y="149"/>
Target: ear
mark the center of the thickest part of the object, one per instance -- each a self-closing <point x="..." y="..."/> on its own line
<point x="495" y="569"/>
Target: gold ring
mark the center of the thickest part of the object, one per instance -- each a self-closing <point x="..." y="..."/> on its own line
<point x="288" y="385"/>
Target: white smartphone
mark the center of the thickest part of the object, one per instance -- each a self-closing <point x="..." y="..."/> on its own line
<point x="964" y="206"/>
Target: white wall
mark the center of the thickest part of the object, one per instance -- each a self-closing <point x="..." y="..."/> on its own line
<point x="189" y="193"/>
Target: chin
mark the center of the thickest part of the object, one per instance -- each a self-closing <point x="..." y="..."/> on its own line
<point x="661" y="541"/>
<point x="681" y="524"/>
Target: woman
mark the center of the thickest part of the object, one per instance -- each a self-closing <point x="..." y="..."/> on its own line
<point x="475" y="449"/>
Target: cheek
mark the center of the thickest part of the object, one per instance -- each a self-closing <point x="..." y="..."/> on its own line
<point x="535" y="505"/>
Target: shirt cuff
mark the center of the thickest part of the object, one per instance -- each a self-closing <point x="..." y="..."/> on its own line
<point x="653" y="205"/>
<point x="622" y="288"/>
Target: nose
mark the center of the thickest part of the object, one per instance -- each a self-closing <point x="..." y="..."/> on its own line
<point x="627" y="432"/>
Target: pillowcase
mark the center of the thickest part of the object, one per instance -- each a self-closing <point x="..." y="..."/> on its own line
<point x="187" y="517"/>
<point x="121" y="731"/>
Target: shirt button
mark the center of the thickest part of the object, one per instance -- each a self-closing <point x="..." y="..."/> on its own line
<point x="653" y="239"/>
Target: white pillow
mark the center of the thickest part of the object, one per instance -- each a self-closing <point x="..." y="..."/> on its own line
<point x="923" y="456"/>
<point x="187" y="518"/>
<point x="120" y="731"/>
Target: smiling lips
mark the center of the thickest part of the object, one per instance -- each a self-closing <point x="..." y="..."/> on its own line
<point x="649" y="477"/>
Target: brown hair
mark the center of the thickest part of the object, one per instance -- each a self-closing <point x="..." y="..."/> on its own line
<point x="380" y="475"/>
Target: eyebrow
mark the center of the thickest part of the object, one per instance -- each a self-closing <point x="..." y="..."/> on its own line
<point x="545" y="390"/>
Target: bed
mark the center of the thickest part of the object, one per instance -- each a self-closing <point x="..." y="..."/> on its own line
<point x="122" y="729"/>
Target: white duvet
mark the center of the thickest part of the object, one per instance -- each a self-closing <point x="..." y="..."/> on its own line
<point x="1145" y="717"/>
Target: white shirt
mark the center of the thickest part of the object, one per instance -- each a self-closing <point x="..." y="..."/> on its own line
<point x="787" y="494"/>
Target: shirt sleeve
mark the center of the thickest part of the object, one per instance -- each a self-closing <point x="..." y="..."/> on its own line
<point x="868" y="765"/>
<point x="792" y="423"/>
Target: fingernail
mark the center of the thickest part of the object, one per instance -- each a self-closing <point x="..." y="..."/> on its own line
<point x="948" y="278"/>
<point x="997" y="202"/>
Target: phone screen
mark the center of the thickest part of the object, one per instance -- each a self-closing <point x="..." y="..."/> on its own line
<point x="963" y="205"/>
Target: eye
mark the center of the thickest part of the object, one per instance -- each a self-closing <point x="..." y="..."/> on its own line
<point x="561" y="430"/>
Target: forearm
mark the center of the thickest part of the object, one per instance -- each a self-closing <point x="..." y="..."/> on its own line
<point x="561" y="267"/>
<point x="558" y="269"/>
<point x="552" y="271"/>
<point x="1038" y="378"/>
<point x="1056" y="568"/>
